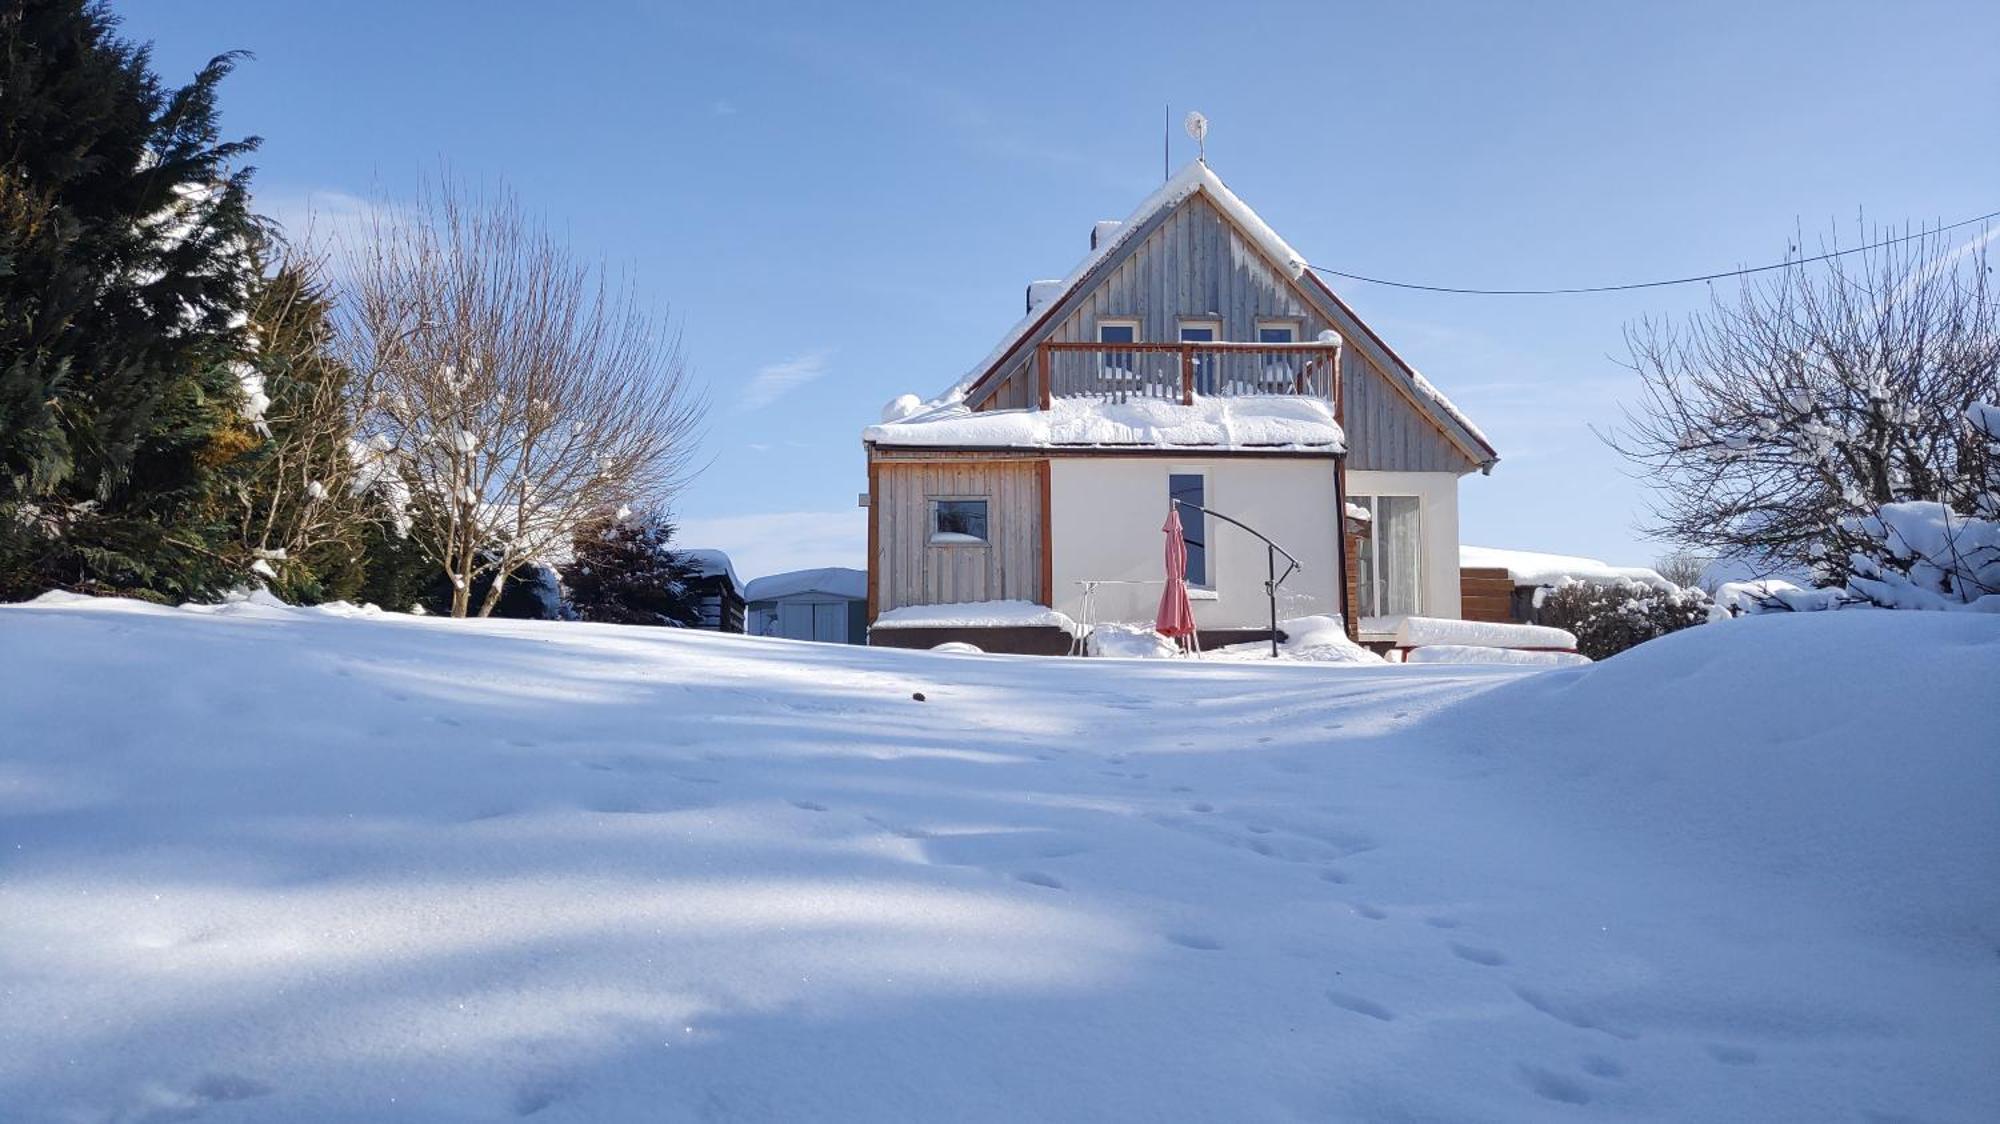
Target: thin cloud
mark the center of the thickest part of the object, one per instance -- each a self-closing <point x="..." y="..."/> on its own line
<point x="774" y="380"/>
<point x="722" y="108"/>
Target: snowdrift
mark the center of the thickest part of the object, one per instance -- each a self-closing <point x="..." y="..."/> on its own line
<point x="270" y="864"/>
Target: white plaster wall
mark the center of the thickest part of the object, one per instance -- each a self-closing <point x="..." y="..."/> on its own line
<point x="1105" y="515"/>
<point x="1437" y="492"/>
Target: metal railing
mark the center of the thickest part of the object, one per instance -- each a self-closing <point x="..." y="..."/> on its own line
<point x="1177" y="372"/>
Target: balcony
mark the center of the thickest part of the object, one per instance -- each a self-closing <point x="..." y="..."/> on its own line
<point x="1124" y="372"/>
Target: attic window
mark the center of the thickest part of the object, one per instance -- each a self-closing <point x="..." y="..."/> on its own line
<point x="1277" y="331"/>
<point x="1117" y="331"/>
<point x="958" y="523"/>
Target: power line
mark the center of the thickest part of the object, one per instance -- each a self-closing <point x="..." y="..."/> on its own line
<point x="1648" y="284"/>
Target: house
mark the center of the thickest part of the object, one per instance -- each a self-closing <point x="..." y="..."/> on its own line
<point x="829" y="604"/>
<point x="718" y="588"/>
<point x="1191" y="356"/>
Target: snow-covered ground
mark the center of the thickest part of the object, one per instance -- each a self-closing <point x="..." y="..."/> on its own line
<point x="262" y="864"/>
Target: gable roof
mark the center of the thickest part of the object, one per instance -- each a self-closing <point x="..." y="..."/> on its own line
<point x="1119" y="241"/>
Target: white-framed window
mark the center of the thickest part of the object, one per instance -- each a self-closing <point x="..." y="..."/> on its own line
<point x="1389" y="566"/>
<point x="1191" y="487"/>
<point x="1277" y="331"/>
<point x="1202" y="331"/>
<point x="1117" y="370"/>
<point x="1277" y="372"/>
<point x="1117" y="330"/>
<point x="958" y="521"/>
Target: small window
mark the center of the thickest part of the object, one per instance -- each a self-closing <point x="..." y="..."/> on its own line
<point x="1117" y="371"/>
<point x="1204" y="363"/>
<point x="1192" y="488"/>
<point x="1277" y="333"/>
<point x="959" y="522"/>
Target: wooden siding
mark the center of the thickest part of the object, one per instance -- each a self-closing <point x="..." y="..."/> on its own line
<point x="1486" y="594"/>
<point x="1385" y="432"/>
<point x="1192" y="263"/>
<point x="908" y="569"/>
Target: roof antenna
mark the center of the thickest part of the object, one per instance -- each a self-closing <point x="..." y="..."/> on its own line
<point x="1197" y="127"/>
<point x="1166" y="146"/>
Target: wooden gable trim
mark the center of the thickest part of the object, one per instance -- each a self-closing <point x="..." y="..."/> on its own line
<point x="1378" y="352"/>
<point x="1048" y="559"/>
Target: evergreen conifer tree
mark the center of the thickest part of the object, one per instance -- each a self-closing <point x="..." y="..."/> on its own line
<point x="124" y="275"/>
<point x="623" y="573"/>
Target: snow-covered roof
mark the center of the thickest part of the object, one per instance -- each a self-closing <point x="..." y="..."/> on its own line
<point x="713" y="563"/>
<point x="1268" y="423"/>
<point x="836" y="580"/>
<point x="1529" y="567"/>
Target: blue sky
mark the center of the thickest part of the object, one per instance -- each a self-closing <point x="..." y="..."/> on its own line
<point x="841" y="203"/>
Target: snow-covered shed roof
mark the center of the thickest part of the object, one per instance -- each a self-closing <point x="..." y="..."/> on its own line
<point x="1108" y="239"/>
<point x="712" y="564"/>
<point x="1260" y="423"/>
<point x="837" y="581"/>
<point x="1529" y="567"/>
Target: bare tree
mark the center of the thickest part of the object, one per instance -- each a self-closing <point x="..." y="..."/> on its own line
<point x="1684" y="568"/>
<point x="1815" y="396"/>
<point x="514" y="390"/>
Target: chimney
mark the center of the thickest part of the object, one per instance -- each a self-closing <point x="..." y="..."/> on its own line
<point x="1042" y="292"/>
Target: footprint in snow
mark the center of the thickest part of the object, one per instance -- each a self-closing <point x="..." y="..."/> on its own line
<point x="1731" y="1055"/>
<point x="1564" y="1012"/>
<point x="1491" y="958"/>
<point x="1195" y="941"/>
<point x="808" y="806"/>
<point x="1201" y="806"/>
<point x="534" y="1096"/>
<point x="1337" y="877"/>
<point x="1597" y="1065"/>
<point x="1368" y="911"/>
<point x="1554" y="1086"/>
<point x="1037" y="878"/>
<point x="1441" y="922"/>
<point x="1360" y="1006"/>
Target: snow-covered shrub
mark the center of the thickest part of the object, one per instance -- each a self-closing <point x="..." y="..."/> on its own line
<point x="1926" y="555"/>
<point x="1609" y="617"/>
<point x="1921" y="554"/>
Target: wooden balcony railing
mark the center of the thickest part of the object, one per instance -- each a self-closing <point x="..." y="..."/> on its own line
<point x="1122" y="372"/>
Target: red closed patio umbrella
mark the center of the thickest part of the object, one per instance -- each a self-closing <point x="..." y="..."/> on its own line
<point x="1176" y="618"/>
